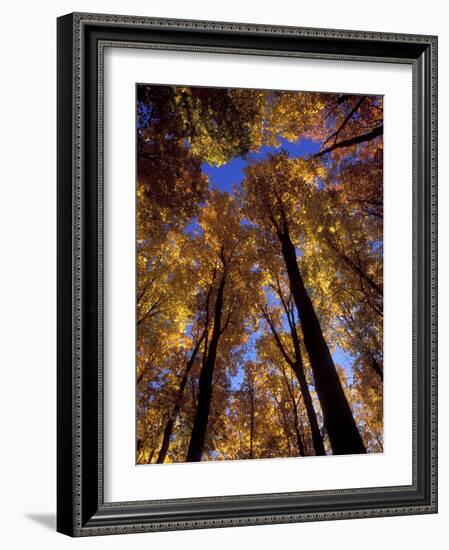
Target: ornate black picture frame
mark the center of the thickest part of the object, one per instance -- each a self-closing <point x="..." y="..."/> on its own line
<point x="81" y="509"/>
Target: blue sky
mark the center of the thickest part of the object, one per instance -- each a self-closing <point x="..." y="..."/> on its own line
<point x="223" y="178"/>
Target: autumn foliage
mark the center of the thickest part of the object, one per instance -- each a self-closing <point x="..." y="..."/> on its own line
<point x="259" y="301"/>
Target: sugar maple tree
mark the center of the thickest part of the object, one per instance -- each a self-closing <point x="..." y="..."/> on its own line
<point x="247" y="294"/>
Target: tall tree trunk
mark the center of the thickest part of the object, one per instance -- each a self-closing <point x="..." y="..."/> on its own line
<point x="198" y="436"/>
<point x="299" y="440"/>
<point x="150" y="458"/>
<point x="377" y="368"/>
<point x="178" y="401"/>
<point x="339" y="421"/>
<point x="251" y="424"/>
<point x="317" y="438"/>
<point x="298" y="368"/>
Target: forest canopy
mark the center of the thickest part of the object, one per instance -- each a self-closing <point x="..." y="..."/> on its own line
<point x="259" y="300"/>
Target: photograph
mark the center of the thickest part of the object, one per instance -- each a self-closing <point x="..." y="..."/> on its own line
<point x="259" y="274"/>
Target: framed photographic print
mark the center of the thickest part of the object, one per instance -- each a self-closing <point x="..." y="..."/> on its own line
<point x="246" y="274"/>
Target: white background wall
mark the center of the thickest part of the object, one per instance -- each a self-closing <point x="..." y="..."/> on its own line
<point x="28" y="267"/>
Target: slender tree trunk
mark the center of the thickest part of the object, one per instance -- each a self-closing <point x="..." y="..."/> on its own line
<point x="140" y="445"/>
<point x="298" y="431"/>
<point x="376" y="437"/>
<point x="178" y="401"/>
<point x="299" y="370"/>
<point x="297" y="366"/>
<point x="251" y="424"/>
<point x="150" y="458"/>
<point x="285" y="425"/>
<point x="167" y="435"/>
<point x="377" y="368"/>
<point x="198" y="436"/>
<point x="300" y="443"/>
<point x="317" y="438"/>
<point x="340" y="425"/>
<point x="357" y="268"/>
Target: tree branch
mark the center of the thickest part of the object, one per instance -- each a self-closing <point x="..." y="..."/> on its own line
<point x="277" y="338"/>
<point x="346" y="120"/>
<point x="353" y="141"/>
